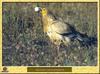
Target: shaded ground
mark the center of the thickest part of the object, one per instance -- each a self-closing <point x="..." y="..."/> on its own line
<point x="24" y="42"/>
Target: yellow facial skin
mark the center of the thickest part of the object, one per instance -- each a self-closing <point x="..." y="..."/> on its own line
<point x="44" y="11"/>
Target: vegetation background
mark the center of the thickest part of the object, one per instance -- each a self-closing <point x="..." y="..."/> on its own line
<point x="25" y="44"/>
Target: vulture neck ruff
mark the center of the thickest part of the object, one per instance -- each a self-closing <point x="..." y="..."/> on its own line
<point x="45" y="23"/>
<point x="45" y="19"/>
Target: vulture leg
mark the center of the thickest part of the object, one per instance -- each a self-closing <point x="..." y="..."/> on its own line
<point x="57" y="43"/>
<point x="58" y="48"/>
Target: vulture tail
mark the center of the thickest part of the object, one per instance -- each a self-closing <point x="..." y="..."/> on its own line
<point x="83" y="39"/>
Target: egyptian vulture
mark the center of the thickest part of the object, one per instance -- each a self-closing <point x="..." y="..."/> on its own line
<point x="59" y="31"/>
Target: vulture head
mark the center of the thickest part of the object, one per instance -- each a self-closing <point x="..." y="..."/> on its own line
<point x="43" y="11"/>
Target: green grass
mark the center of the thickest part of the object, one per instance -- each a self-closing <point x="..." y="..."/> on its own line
<point x="24" y="42"/>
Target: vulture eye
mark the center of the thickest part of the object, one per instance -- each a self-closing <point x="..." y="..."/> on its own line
<point x="43" y="9"/>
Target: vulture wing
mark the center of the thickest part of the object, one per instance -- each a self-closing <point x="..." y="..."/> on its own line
<point x="60" y="27"/>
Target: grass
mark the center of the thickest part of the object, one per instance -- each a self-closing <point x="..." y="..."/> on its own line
<point x="25" y="44"/>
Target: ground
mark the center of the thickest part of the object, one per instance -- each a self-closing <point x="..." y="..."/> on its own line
<point x="25" y="44"/>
